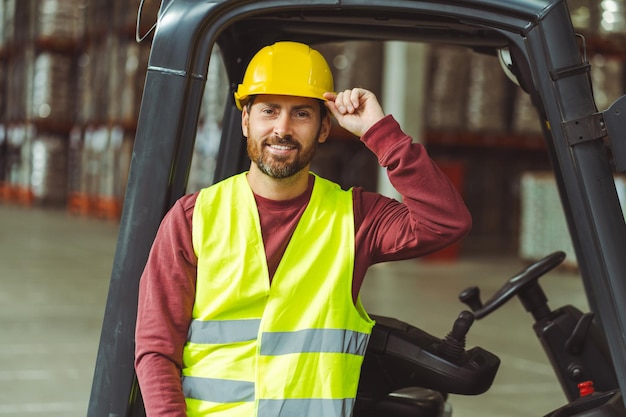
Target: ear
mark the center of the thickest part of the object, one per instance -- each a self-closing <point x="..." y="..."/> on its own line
<point x="245" y="118"/>
<point x="325" y="129"/>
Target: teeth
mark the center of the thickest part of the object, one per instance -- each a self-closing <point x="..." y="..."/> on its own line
<point x="281" y="147"/>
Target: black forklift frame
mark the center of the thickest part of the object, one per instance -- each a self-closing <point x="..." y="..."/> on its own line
<point x="548" y="63"/>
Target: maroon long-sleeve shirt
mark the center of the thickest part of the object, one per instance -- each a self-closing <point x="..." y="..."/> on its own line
<point x="431" y="216"/>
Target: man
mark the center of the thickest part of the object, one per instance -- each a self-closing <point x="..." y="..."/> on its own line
<point x="248" y="304"/>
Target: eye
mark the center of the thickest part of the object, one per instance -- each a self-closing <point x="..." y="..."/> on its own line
<point x="303" y="114"/>
<point x="268" y="111"/>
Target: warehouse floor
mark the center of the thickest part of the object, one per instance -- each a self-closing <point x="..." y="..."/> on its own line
<point x="54" y="273"/>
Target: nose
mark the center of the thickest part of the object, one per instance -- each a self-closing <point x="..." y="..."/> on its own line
<point x="282" y="127"/>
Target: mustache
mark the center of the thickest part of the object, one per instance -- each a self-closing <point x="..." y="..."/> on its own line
<point x="284" y="140"/>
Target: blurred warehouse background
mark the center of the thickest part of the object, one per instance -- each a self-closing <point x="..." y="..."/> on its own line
<point x="71" y="80"/>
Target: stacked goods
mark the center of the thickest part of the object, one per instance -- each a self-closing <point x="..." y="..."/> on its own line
<point x="111" y="70"/>
<point x="125" y="78"/>
<point x="487" y="95"/>
<point x="17" y="159"/>
<point x="607" y="75"/>
<point x="92" y="76"/>
<point x="70" y="91"/>
<point x="3" y="92"/>
<point x="209" y="125"/>
<point x="3" y="25"/>
<point x="59" y="20"/>
<point x="612" y="17"/>
<point x="543" y="227"/>
<point x="78" y="202"/>
<point x="19" y="144"/>
<point x="525" y="119"/>
<point x="51" y="88"/>
<point x="40" y="37"/>
<point x="49" y="168"/>
<point x="447" y="94"/>
<point x="19" y="77"/>
<point x="91" y="64"/>
<point x="111" y="160"/>
<point x="583" y="14"/>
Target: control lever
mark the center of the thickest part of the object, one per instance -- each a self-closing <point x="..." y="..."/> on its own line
<point x="453" y="345"/>
<point x="525" y="282"/>
<point x="471" y="298"/>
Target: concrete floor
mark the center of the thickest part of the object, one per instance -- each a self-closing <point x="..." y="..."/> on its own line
<point x="54" y="275"/>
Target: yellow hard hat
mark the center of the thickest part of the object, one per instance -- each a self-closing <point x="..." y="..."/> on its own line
<point x="286" y="68"/>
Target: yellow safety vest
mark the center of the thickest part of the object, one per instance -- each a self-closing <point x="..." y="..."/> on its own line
<point x="294" y="348"/>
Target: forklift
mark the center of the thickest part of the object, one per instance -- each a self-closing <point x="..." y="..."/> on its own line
<point x="538" y="47"/>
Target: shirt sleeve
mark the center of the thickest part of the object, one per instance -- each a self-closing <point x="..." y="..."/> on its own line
<point x="431" y="215"/>
<point x="163" y="319"/>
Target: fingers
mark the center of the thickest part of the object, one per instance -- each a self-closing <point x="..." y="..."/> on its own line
<point x="330" y="96"/>
<point x="348" y="101"/>
<point x="355" y="109"/>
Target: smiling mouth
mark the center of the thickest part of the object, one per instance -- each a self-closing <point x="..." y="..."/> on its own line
<point x="282" y="147"/>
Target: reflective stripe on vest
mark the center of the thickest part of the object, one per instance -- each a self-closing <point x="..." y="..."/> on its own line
<point x="223" y="331"/>
<point x="314" y="340"/>
<point x="279" y="343"/>
<point x="218" y="390"/>
<point x="224" y="391"/>
<point x="292" y="349"/>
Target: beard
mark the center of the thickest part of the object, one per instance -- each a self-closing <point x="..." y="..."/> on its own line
<point x="277" y="166"/>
